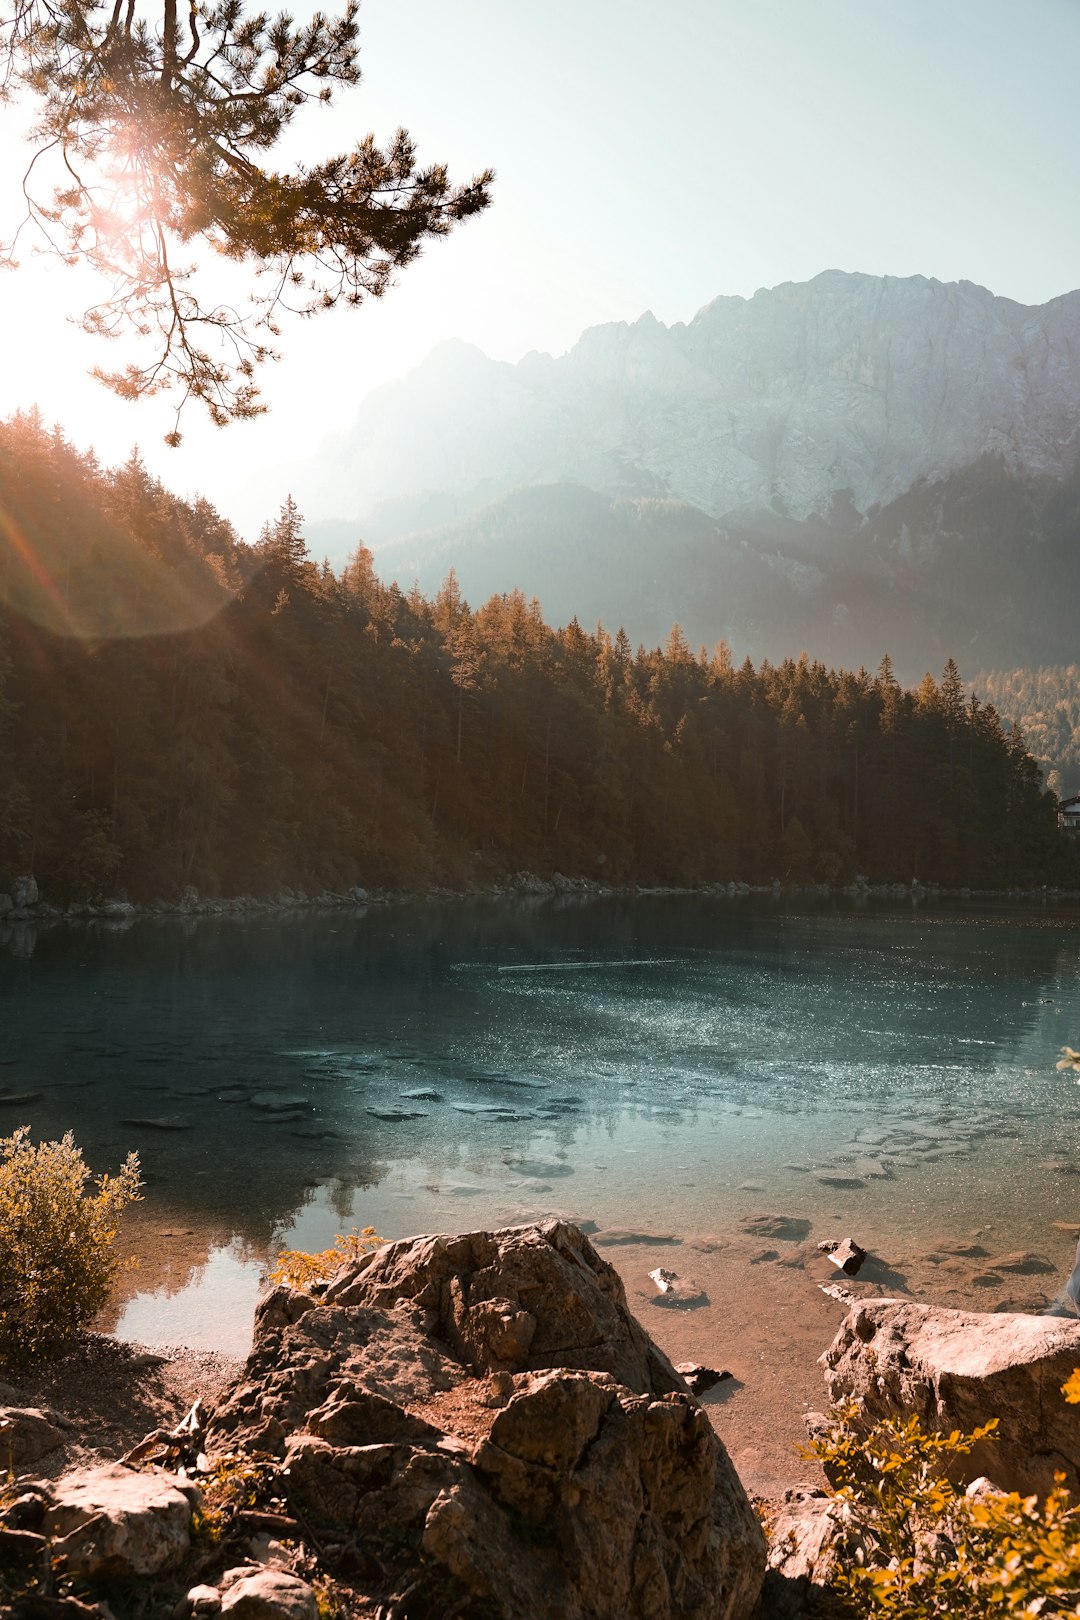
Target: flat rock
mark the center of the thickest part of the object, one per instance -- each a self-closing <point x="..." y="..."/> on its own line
<point x="112" y="1522"/>
<point x="958" y="1369"/>
<point x="277" y="1101"/>
<point x="1024" y="1264"/>
<point x="613" y="1237"/>
<point x="159" y="1122"/>
<point x="778" y="1228"/>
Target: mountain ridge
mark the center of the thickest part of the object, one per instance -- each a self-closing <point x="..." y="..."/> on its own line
<point x="802" y="419"/>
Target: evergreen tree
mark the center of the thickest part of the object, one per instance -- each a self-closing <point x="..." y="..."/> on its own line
<point x="149" y="138"/>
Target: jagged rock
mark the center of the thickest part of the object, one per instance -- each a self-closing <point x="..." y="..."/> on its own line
<point x="529" y="883"/>
<point x="484" y="1410"/>
<point x="958" y="1369"/>
<point x="267" y="1594"/>
<point x="700" y="1378"/>
<point x="114" y="1522"/>
<point x="27" y="1434"/>
<point x="805" y="1537"/>
<point x="846" y="1255"/>
<point x="24" y="892"/>
<point x="6" y="904"/>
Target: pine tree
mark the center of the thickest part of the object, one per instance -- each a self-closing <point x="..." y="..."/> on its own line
<point x="148" y="139"/>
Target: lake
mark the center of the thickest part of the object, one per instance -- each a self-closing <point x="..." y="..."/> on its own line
<point x="664" y="1064"/>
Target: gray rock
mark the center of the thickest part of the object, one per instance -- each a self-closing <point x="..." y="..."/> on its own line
<point x="781" y="1228"/>
<point x="27" y="1434"/>
<point x="484" y="1411"/>
<point x="112" y="1522"/>
<point x="267" y="1594"/>
<point x="6" y="904"/>
<point x="958" y="1369"/>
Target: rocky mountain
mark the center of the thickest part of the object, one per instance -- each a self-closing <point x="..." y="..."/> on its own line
<point x="822" y="462"/>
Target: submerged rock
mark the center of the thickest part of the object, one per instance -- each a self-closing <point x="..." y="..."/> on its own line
<point x="781" y="1228"/>
<point x="959" y="1369"/>
<point x="482" y="1415"/>
<point x="675" y="1291"/>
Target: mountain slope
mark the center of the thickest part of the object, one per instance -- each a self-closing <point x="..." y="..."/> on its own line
<point x="846" y="382"/>
<point x="840" y="465"/>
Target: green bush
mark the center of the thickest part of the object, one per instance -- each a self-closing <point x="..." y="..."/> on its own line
<point x="56" y="1242"/>
<point x="917" y="1547"/>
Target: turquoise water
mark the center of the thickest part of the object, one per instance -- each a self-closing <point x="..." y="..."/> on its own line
<point x="665" y="1064"/>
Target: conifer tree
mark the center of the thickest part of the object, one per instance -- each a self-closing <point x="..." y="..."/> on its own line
<point x="153" y="137"/>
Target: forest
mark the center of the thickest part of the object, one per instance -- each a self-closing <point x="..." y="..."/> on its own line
<point x="180" y="708"/>
<point x="1045" y="703"/>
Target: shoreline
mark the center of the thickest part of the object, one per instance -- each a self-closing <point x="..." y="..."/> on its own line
<point x="765" y="1320"/>
<point x="763" y="1303"/>
<point x="117" y="914"/>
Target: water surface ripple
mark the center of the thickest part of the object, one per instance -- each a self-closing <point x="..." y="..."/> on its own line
<point x="667" y="1064"/>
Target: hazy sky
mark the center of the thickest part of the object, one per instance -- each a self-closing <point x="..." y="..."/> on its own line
<point x="648" y="157"/>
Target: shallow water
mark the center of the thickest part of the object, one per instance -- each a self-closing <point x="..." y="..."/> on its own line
<point x="661" y="1064"/>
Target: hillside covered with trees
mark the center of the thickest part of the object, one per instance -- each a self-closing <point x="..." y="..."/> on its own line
<point x="1045" y="704"/>
<point x="177" y="708"/>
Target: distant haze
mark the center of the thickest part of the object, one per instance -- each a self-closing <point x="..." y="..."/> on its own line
<point x="647" y="157"/>
<point x="849" y="465"/>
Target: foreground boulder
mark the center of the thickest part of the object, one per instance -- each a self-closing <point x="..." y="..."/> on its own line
<point x="111" y="1522"/>
<point x="480" y="1420"/>
<point x="958" y="1369"/>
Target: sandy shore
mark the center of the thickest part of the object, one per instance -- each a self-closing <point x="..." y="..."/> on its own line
<point x="752" y="1306"/>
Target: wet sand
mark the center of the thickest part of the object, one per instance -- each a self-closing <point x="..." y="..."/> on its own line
<point x="765" y="1319"/>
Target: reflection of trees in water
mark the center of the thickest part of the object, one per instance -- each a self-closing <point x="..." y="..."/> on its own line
<point x="162" y="1021"/>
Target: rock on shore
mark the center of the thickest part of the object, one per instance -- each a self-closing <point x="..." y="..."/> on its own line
<point x="483" y="1414"/>
<point x="958" y="1369"/>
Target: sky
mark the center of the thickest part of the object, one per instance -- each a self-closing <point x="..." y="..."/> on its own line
<point x="647" y="157"/>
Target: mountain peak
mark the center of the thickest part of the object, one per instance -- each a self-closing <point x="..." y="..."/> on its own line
<point x="848" y="382"/>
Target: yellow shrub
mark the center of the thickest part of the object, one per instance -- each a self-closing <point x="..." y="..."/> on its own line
<point x="919" y="1548"/>
<point x="306" y="1271"/>
<point x="56" y="1242"/>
